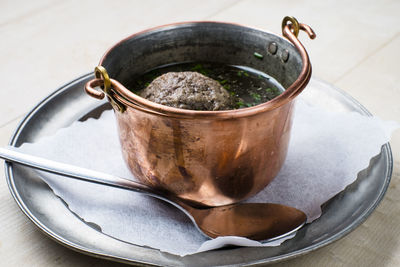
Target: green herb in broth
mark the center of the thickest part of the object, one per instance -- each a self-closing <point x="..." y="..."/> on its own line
<point x="240" y="104"/>
<point x="227" y="87"/>
<point x="258" y="55"/>
<point x="199" y="68"/>
<point x="249" y="87"/>
<point x="242" y="72"/>
<point x="256" y="97"/>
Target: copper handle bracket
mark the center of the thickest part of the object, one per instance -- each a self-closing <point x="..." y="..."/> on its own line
<point x="104" y="82"/>
<point x="290" y="29"/>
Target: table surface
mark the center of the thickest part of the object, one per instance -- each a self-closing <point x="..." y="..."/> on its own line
<point x="46" y="43"/>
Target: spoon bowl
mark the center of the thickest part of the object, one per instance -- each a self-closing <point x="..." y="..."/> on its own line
<point x="258" y="221"/>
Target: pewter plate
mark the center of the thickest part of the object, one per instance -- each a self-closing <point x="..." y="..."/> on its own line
<point x="341" y="214"/>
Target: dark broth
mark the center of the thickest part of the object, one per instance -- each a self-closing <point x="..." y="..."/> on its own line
<point x="249" y="87"/>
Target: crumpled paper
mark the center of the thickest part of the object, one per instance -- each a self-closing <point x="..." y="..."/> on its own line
<point x="326" y="152"/>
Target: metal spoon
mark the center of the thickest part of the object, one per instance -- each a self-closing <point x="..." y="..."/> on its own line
<point x="258" y="221"/>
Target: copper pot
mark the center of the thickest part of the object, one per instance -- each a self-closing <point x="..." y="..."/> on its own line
<point x="210" y="157"/>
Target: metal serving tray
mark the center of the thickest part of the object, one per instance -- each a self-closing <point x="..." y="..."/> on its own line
<point x="341" y="214"/>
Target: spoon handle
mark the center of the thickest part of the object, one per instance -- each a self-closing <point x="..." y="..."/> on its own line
<point x="73" y="171"/>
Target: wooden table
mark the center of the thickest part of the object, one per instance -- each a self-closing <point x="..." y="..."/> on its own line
<point x="45" y="44"/>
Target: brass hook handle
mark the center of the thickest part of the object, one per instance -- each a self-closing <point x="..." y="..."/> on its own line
<point x="103" y="81"/>
<point x="295" y="27"/>
<point x="101" y="73"/>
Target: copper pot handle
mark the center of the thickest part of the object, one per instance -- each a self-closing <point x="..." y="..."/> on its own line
<point x="90" y="88"/>
<point x="103" y="81"/>
<point x="291" y="31"/>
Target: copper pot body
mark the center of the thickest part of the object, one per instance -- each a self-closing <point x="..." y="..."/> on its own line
<point x="209" y="157"/>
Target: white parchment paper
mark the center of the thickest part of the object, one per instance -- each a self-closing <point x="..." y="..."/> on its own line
<point x="326" y="152"/>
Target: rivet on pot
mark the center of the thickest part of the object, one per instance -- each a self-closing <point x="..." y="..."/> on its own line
<point x="285" y="55"/>
<point x="272" y="48"/>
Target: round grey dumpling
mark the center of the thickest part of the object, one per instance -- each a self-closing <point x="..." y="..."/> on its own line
<point x="188" y="90"/>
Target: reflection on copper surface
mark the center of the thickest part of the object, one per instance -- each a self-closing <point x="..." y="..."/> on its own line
<point x="214" y="162"/>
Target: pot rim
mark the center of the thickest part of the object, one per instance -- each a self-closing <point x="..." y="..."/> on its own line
<point x="127" y="97"/>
